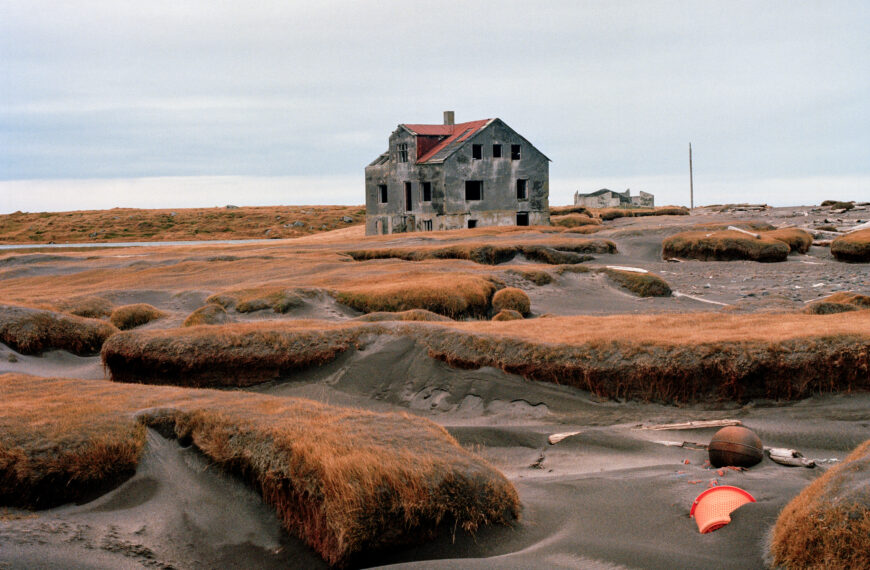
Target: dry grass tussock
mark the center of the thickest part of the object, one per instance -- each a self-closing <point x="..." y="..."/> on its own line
<point x="798" y="240"/>
<point x="672" y="358"/>
<point x="574" y="220"/>
<point x="512" y="299"/>
<point x="85" y="306"/>
<point x="448" y="294"/>
<point x="641" y="284"/>
<point x="535" y="276"/>
<point x="828" y="524"/>
<point x="543" y="251"/>
<point x="409" y="315"/>
<point x="838" y="204"/>
<point x="125" y="224"/>
<point x="131" y="316"/>
<point x="565" y="210"/>
<point x="279" y="299"/>
<point x="33" y="331"/>
<point x="607" y="214"/>
<point x="725" y="245"/>
<point x="507" y="315"/>
<point x="346" y="481"/>
<point x="839" y="303"/>
<point x="226" y="355"/>
<point x="750" y="225"/>
<point x="854" y="247"/>
<point x="210" y="314"/>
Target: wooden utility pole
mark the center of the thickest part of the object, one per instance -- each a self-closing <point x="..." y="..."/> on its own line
<point x="691" y="181"/>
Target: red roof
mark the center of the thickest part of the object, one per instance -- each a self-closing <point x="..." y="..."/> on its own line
<point x="453" y="133"/>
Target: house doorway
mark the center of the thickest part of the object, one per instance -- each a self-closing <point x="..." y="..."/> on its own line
<point x="472" y="224"/>
<point x="522" y="218"/>
<point x="408" y="197"/>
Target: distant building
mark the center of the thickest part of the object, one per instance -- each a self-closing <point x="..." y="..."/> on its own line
<point x="451" y="176"/>
<point x="605" y="198"/>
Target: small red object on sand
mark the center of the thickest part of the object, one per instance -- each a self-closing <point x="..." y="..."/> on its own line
<point x="713" y="507"/>
<point x="721" y="473"/>
<point x="695" y="482"/>
<point x="686" y="462"/>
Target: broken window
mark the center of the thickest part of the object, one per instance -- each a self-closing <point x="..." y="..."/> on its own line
<point x="522" y="189"/>
<point x="496" y="151"/>
<point x="403" y="152"/>
<point x="427" y="191"/>
<point x="474" y="189"/>
<point x="522" y="218"/>
<point x="472" y="224"/>
<point x="515" y="152"/>
<point x="476" y="151"/>
<point x="382" y="193"/>
<point x="408" y="197"/>
<point x="427" y="225"/>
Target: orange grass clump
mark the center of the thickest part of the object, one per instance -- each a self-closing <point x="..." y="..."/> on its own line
<point x="725" y="245"/>
<point x="278" y="299"/>
<point x="839" y="303"/>
<point x="565" y="210"/>
<point x="798" y="240"/>
<point x="135" y="315"/>
<point x="513" y="299"/>
<point x="347" y="482"/>
<point x="607" y="214"/>
<point x="210" y="314"/>
<point x="225" y="355"/>
<point x="546" y="251"/>
<point x="854" y="247"/>
<point x="409" y="315"/>
<point x="507" y="315"/>
<point x="574" y="220"/>
<point x="451" y="295"/>
<point x="641" y="284"/>
<point x="33" y="331"/>
<point x="828" y="524"/>
<point x="128" y="224"/>
<point x="86" y="306"/>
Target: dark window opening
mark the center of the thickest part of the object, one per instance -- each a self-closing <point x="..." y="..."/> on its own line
<point x="408" y="197"/>
<point x="477" y="151"/>
<point x="496" y="151"/>
<point x="472" y="224"/>
<point x="522" y="189"/>
<point x="382" y="193"/>
<point x="403" y="152"/>
<point x="427" y="225"/>
<point x="427" y="191"/>
<point x="474" y="190"/>
<point x="515" y="152"/>
<point x="522" y="218"/>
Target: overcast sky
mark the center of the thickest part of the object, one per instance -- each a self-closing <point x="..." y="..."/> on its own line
<point x="188" y="103"/>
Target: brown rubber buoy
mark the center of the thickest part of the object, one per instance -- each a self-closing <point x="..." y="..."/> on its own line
<point x="737" y="446"/>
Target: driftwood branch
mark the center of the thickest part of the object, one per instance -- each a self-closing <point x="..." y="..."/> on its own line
<point x="790" y="457"/>
<point x="557" y="437"/>
<point x="736" y="229"/>
<point x="693" y="425"/>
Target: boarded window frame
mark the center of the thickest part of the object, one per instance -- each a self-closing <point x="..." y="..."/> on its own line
<point x="427" y="225"/>
<point x="402" y="152"/>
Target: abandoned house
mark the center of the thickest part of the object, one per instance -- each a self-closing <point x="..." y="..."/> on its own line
<point x="452" y="176"/>
<point x="605" y="198"/>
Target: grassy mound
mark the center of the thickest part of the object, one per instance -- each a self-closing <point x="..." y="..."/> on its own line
<point x="410" y="315"/>
<point x="537" y="277"/>
<point x="838" y="204"/>
<point x="512" y="299"/>
<point x="565" y="210"/>
<point x="799" y="241"/>
<point x="725" y="245"/>
<point x="551" y="251"/>
<point x="135" y="315"/>
<point x="574" y="220"/>
<point x="278" y="299"/>
<point x="507" y="315"/>
<point x="749" y="225"/>
<point x="641" y="284"/>
<point x="210" y="314"/>
<point x="450" y="295"/>
<point x="86" y="306"/>
<point x="228" y="355"/>
<point x="33" y="331"/>
<point x="854" y="247"/>
<point x="828" y="524"/>
<point x="671" y="358"/>
<point x="839" y="303"/>
<point x="607" y="214"/>
<point x="347" y="482"/>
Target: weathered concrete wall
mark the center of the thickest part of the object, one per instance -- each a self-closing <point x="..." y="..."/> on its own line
<point x="606" y="200"/>
<point x="448" y="208"/>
